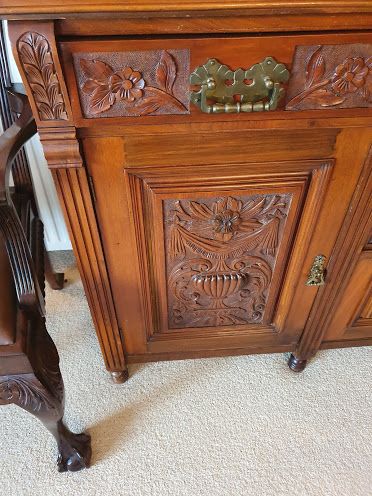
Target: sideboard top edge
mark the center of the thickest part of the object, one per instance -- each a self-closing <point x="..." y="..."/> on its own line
<point x="69" y="8"/>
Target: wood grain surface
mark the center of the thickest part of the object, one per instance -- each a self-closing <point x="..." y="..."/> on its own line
<point x="262" y="6"/>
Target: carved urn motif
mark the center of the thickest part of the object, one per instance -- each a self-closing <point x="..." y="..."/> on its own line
<point x="219" y="284"/>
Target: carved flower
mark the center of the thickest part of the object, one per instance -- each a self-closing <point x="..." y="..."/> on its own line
<point x="226" y="219"/>
<point x="350" y="76"/>
<point x="127" y="84"/>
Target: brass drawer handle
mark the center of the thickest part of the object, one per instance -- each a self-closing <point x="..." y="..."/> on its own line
<point x="257" y="89"/>
<point x="317" y="272"/>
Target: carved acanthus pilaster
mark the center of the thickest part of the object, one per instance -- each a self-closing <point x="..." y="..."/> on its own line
<point x="35" y="51"/>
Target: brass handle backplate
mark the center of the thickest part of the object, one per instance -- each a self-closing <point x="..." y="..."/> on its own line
<point x="317" y="272"/>
<point x="219" y="89"/>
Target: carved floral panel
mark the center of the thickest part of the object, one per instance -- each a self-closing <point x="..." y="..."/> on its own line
<point x="331" y="76"/>
<point x="116" y="84"/>
<point x="220" y="257"/>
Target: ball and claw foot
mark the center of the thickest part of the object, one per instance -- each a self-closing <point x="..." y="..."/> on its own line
<point x="295" y="364"/>
<point x="120" y="377"/>
<point x="75" y="451"/>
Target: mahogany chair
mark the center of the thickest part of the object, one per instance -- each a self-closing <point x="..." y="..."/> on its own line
<point x="29" y="364"/>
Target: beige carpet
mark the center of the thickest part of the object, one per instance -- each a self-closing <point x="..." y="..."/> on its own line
<point x="215" y="427"/>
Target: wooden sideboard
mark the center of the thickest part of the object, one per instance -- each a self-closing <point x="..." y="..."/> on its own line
<point x="213" y="161"/>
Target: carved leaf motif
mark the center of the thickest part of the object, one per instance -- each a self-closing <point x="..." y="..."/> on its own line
<point x="148" y="105"/>
<point x="366" y="90"/>
<point x="34" y="72"/>
<point x="36" y="57"/>
<point x="26" y="46"/>
<point x="40" y="94"/>
<point x="199" y="210"/>
<point x="315" y="68"/>
<point x="155" y="99"/>
<point x="47" y="112"/>
<point x="366" y="93"/>
<point x="101" y="99"/>
<point x="49" y="75"/>
<point x="166" y="72"/>
<point x="96" y="70"/>
<point x="89" y="86"/>
<point x="53" y="94"/>
<point x="270" y="238"/>
<point x="42" y="51"/>
<point x="325" y="98"/>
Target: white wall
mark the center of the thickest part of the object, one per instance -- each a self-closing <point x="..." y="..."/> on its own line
<point x="56" y="236"/>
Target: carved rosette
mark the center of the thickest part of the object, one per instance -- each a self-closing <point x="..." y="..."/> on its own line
<point x="36" y="57"/>
<point x="221" y="253"/>
<point x="331" y="76"/>
<point x="133" y="83"/>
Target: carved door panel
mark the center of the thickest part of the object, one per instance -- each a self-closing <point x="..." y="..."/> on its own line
<point x="217" y="243"/>
<point x="204" y="257"/>
<point x="220" y="256"/>
<point x="353" y="316"/>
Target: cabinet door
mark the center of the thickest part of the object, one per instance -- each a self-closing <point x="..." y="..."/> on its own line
<point x="206" y="257"/>
<point x="353" y="317"/>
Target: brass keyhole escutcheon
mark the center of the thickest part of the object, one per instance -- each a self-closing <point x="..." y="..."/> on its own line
<point x="317" y="272"/>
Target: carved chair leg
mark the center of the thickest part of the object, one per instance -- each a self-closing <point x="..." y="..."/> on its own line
<point x="296" y="364"/>
<point x="42" y="394"/>
<point x="55" y="279"/>
<point x="28" y="392"/>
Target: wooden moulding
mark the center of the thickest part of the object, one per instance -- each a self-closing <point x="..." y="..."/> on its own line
<point x="61" y="147"/>
<point x="75" y="197"/>
<point x="237" y="7"/>
<point x="353" y="316"/>
<point x="209" y="23"/>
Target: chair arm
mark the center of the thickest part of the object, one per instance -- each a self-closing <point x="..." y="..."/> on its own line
<point x="12" y="140"/>
<point x="29" y="295"/>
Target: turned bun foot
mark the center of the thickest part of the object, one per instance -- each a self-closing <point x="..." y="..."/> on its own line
<point x="295" y="364"/>
<point x="59" y="281"/>
<point x="120" y="377"/>
<point x="75" y="450"/>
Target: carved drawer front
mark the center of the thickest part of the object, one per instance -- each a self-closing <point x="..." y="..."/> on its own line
<point x="353" y="315"/>
<point x="187" y="79"/>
